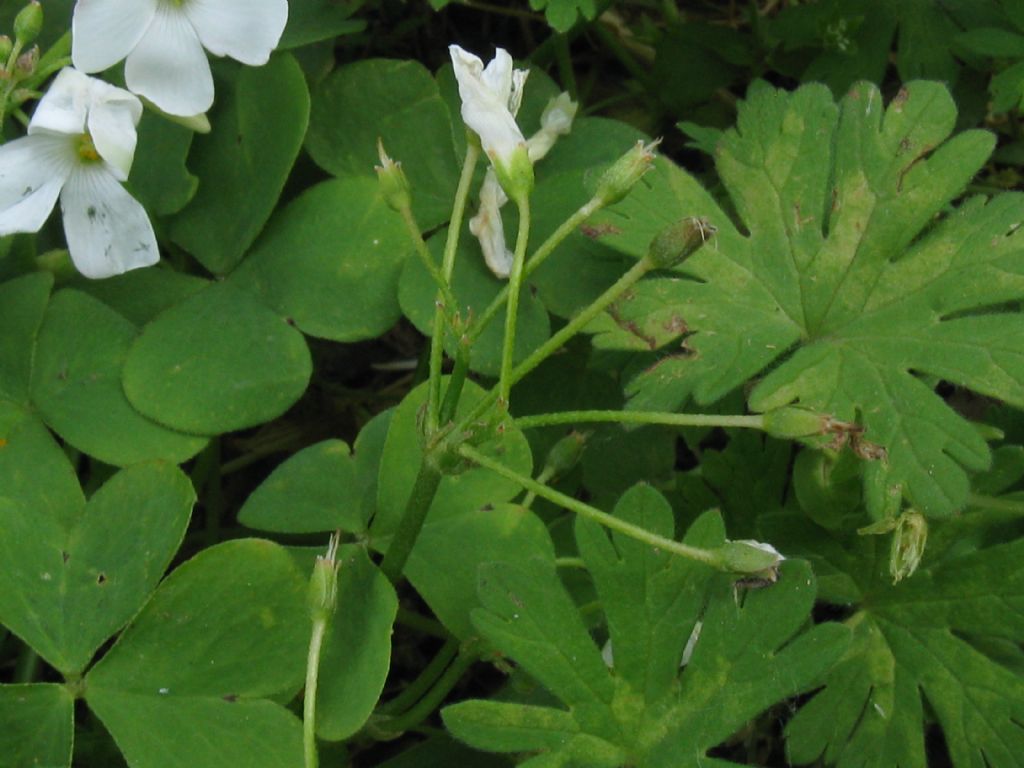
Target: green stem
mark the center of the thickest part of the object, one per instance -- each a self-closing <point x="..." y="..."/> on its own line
<point x="515" y="284"/>
<point x="316" y="640"/>
<point x="539" y="257"/>
<point x="423" y="492"/>
<point x="27" y="667"/>
<point x="422" y="624"/>
<point x="418" y="687"/>
<point x="455" y="383"/>
<point x="544" y="477"/>
<point x="447" y="267"/>
<point x="570" y="562"/>
<point x="705" y="556"/>
<point x="433" y="698"/>
<point x="555" y="343"/>
<point x="1014" y="506"/>
<point x="416" y="235"/>
<point x="752" y="421"/>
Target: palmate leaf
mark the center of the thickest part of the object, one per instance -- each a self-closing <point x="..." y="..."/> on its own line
<point x="844" y="275"/>
<point x="924" y="640"/>
<point x="645" y="710"/>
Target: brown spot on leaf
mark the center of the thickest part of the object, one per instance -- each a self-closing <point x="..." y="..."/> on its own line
<point x="599" y="230"/>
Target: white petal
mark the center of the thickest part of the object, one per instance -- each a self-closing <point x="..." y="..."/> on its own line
<point x="65" y="105"/>
<point x="169" y="66"/>
<point x="489" y="228"/>
<point x="107" y="229"/>
<point x="112" y="120"/>
<point x="105" y="31"/>
<point x="497" y="75"/>
<point x="484" y="111"/>
<point x="515" y="98"/>
<point x="246" y="30"/>
<point x="32" y="171"/>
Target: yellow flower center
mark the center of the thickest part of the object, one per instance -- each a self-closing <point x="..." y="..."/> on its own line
<point x="86" y="149"/>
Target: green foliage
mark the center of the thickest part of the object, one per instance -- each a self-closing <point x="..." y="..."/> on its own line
<point x="644" y="708"/>
<point x="249" y="367"/>
<point x="845" y="278"/>
<point x="920" y="645"/>
<point x="187" y="682"/>
<point x="242" y="164"/>
<point x="38" y="725"/>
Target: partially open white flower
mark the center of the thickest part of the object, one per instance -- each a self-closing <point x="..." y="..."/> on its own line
<point x="490" y="100"/>
<point x="80" y="146"/>
<point x="163" y="41"/>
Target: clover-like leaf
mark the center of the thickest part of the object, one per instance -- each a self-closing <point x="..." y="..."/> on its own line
<point x="844" y="276"/>
<point x="918" y="646"/>
<point x="643" y="709"/>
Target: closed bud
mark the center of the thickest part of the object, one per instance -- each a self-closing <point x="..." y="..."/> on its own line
<point x="323" y="585"/>
<point x="6" y="46"/>
<point x="792" y="422"/>
<point x="28" y="23"/>
<point x="752" y="559"/>
<point x="565" y="454"/>
<point x="625" y="172"/>
<point x="394" y="187"/>
<point x="677" y="242"/>
<point x="26" y="63"/>
<point x="908" y="543"/>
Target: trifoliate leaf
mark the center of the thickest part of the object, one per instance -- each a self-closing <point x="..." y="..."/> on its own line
<point x="844" y="273"/>
<point x="918" y="646"/>
<point x="642" y="708"/>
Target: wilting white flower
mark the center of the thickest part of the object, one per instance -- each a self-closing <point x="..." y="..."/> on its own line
<point x="163" y="41"/>
<point x="555" y="121"/>
<point x="488" y="227"/>
<point x="80" y="146"/>
<point x="490" y="100"/>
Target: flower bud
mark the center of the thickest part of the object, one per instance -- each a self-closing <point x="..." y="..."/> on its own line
<point x="908" y="543"/>
<point x="28" y="23"/>
<point x="26" y="63"/>
<point x="565" y="454"/>
<point x="323" y="585"/>
<point x="394" y="187"/>
<point x="752" y="559"/>
<point x="625" y="172"/>
<point x="6" y="46"/>
<point x="792" y="422"/>
<point x="677" y="242"/>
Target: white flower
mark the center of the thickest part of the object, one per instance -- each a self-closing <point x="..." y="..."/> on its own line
<point x="80" y="147"/>
<point x="490" y="100"/>
<point x="163" y="42"/>
<point x="488" y="227"/>
<point x="555" y="121"/>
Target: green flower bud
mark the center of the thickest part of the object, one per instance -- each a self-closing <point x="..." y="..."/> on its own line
<point x="625" y="172"/>
<point x="323" y="584"/>
<point x="677" y="242"/>
<point x="792" y="422"/>
<point x="28" y="23"/>
<point x="752" y="559"/>
<point x="6" y="46"/>
<point x="565" y="454"/>
<point x="394" y="186"/>
<point x="908" y="543"/>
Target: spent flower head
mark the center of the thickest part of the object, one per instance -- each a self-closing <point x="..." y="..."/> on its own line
<point x="163" y="41"/>
<point x="80" y="146"/>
